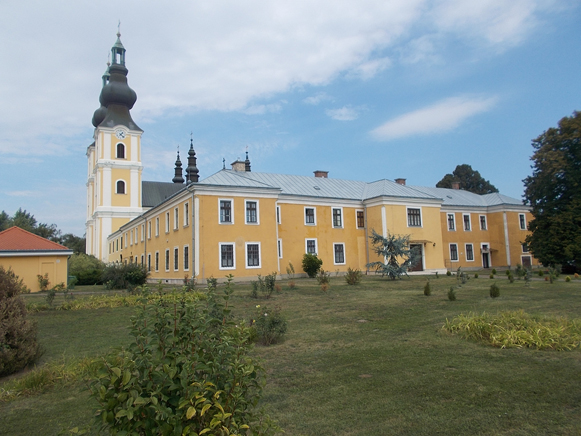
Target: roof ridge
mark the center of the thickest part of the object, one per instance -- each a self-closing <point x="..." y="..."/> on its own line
<point x="30" y="234"/>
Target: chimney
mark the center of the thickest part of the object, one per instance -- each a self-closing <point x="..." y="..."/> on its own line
<point x="321" y="174"/>
<point x="455" y="185"/>
<point x="400" y="181"/>
<point x="239" y="165"/>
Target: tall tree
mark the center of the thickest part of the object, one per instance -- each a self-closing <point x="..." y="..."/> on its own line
<point x="554" y="193"/>
<point x="469" y="179"/>
<point x="396" y="251"/>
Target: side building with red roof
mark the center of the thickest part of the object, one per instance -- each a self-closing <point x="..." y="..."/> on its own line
<point x="30" y="255"/>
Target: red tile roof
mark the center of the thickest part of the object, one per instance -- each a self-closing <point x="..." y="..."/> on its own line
<point x="17" y="239"/>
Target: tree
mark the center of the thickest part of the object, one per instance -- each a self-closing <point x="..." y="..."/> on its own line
<point x="86" y="268"/>
<point x="75" y="243"/>
<point x="554" y="194"/>
<point x="469" y="180"/>
<point x="394" y="249"/>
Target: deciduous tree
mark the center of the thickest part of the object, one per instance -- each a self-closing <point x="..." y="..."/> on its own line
<point x="469" y="179"/>
<point x="554" y="193"/>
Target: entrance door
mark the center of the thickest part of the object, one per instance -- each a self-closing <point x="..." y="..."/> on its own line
<point x="485" y="256"/>
<point x="419" y="266"/>
<point x="526" y="261"/>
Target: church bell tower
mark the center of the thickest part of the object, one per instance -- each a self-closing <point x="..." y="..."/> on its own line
<point x="114" y="158"/>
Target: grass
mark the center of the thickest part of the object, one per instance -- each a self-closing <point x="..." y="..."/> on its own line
<point x="370" y="359"/>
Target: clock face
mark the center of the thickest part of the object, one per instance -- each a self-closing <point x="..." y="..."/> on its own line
<point x="120" y="134"/>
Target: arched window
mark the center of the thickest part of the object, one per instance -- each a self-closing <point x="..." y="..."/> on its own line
<point x="120" y="151"/>
<point x="120" y="185"/>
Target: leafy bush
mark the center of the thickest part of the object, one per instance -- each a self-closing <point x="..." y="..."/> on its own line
<point x="494" y="291"/>
<point x="476" y="275"/>
<point x="325" y="287"/>
<point x="265" y="285"/>
<point x="353" y="276"/>
<point x="270" y="325"/>
<point x="567" y="279"/>
<point x="541" y="273"/>
<point x="18" y="343"/>
<point x="87" y="269"/>
<point x="494" y="271"/>
<point x="43" y="282"/>
<point x="451" y="294"/>
<point x="323" y="278"/>
<point x="311" y="264"/>
<point x="491" y="276"/>
<point x="292" y="284"/>
<point x="186" y="372"/>
<point x="427" y="289"/>
<point x="511" y="278"/>
<point x="448" y="273"/>
<point x="517" y="330"/>
<point x="124" y="275"/>
<point x="290" y="271"/>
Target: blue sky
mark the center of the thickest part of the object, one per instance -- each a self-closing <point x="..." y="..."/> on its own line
<point x="366" y="90"/>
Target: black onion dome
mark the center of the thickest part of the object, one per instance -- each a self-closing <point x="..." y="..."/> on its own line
<point x="117" y="91"/>
<point x="99" y="116"/>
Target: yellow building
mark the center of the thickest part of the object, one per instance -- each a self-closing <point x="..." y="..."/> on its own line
<point x="29" y="255"/>
<point x="247" y="223"/>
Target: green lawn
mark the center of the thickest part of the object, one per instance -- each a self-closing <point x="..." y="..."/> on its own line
<point x="363" y="360"/>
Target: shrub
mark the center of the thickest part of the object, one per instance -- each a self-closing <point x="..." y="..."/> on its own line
<point x="122" y="276"/>
<point x="325" y="287"/>
<point x="87" y="269"/>
<point x="18" y="343"/>
<point x="567" y="279"/>
<point x="353" y="276"/>
<point x="189" y="283"/>
<point x="437" y="276"/>
<point x="576" y="276"/>
<point x="427" y="289"/>
<point x="511" y="278"/>
<point x="494" y="271"/>
<point x="270" y="325"/>
<point x="185" y="372"/>
<point x="311" y="264"/>
<point x="292" y="284"/>
<point x="50" y="296"/>
<point x="491" y="276"/>
<point x="43" y="282"/>
<point x="323" y="278"/>
<point x="448" y="273"/>
<point x="494" y="291"/>
<point x="278" y="288"/>
<point x="265" y="285"/>
<point x="541" y="273"/>
<point x="461" y="276"/>
<point x="290" y="271"/>
<point x="476" y="275"/>
<point x="508" y="272"/>
<point x="451" y="294"/>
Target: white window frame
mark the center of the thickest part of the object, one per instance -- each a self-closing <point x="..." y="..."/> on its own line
<point x="469" y="229"/>
<point x="117" y="187"/>
<point x="485" y="222"/>
<point x="167" y="221"/>
<point x="342" y="244"/>
<point x="357" y="218"/>
<point x="314" y="216"/>
<point x="186" y="214"/>
<point x="130" y="238"/>
<point x="176" y="217"/>
<point x="279" y="247"/>
<point x="142" y="232"/>
<point x="124" y="151"/>
<point x="316" y="245"/>
<point x="167" y="260"/>
<point x="149" y="229"/>
<point x="340" y="209"/>
<point x="257" y="222"/>
<point x="220" y="256"/>
<point x="522" y="218"/>
<point x="186" y="264"/>
<point x="407" y="216"/>
<point x="453" y="215"/>
<point x="220" y="200"/>
<point x="126" y="239"/>
<point x="259" y="255"/>
<point x="156" y="226"/>
<point x="466" y="252"/>
<point x="176" y="262"/>
<point x="457" y="253"/>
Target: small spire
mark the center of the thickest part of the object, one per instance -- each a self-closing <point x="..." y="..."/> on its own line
<point x="223" y="163"/>
<point x="192" y="172"/>
<point x="247" y="162"/>
<point x="119" y="29"/>
<point x="178" y="177"/>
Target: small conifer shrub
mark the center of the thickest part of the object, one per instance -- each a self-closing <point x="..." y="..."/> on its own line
<point x="494" y="291"/>
<point x="353" y="276"/>
<point x="427" y="289"/>
<point x="448" y="273"/>
<point x="494" y="271"/>
<point x="567" y="279"/>
<point x="476" y="275"/>
<point x="451" y="294"/>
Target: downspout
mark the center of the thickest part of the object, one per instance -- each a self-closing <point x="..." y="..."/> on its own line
<point x="193" y="224"/>
<point x="145" y="244"/>
<point x="276" y="215"/>
<point x="366" y="240"/>
<point x="506" y="242"/>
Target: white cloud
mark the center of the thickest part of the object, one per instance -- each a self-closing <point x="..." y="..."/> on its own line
<point x="317" y="98"/>
<point x="440" y="117"/>
<point x="261" y="109"/>
<point x="346" y="113"/>
<point x="367" y="70"/>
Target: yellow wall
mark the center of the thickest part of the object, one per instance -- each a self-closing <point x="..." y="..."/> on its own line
<point x="28" y="267"/>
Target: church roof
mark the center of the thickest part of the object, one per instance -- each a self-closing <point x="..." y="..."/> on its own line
<point x="154" y="193"/>
<point x="15" y="240"/>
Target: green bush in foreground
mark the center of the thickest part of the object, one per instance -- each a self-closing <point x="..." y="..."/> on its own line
<point x="18" y="344"/>
<point x="186" y="372"/>
<point x="124" y="275"/>
<point x="311" y="264"/>
<point x="87" y="269"/>
<point x="517" y="330"/>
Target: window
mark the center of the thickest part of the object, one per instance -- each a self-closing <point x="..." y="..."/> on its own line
<point x="339" y="250"/>
<point x="469" y="252"/>
<point x="278" y="214"/>
<point x="176" y="259"/>
<point x="135" y="232"/>
<point x="142" y="232"/>
<point x="120" y="187"/>
<point x="311" y="246"/>
<point x="227" y="260"/>
<point x="251" y="212"/>
<point x="186" y="214"/>
<point x="167" y="259"/>
<point x="279" y="247"/>
<point x="310" y="217"/>
<point x="117" y="241"/>
<point x="125" y="240"/>
<point x="466" y="218"/>
<point x="522" y="221"/>
<point x="482" y="222"/>
<point x="186" y="258"/>
<point x="360" y="219"/>
<point x="142" y="259"/>
<point x="451" y="222"/>
<point x="167" y="222"/>
<point x="525" y="247"/>
<point x="176" y="218"/>
<point x="149" y="230"/>
<point x="414" y="218"/>
<point x="120" y="151"/>
<point x="156" y="226"/>
<point x="157" y="261"/>
<point x="226" y="211"/>
<point x="337" y="217"/>
<point x="453" y="252"/>
<point x="252" y="255"/>
<point x="131" y="237"/>
<point x="148" y="261"/>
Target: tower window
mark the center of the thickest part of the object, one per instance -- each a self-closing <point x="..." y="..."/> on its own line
<point x="120" y="187"/>
<point x="120" y="151"/>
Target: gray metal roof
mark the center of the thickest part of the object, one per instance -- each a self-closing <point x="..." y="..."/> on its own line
<point x="459" y="197"/>
<point x="154" y="193"/>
